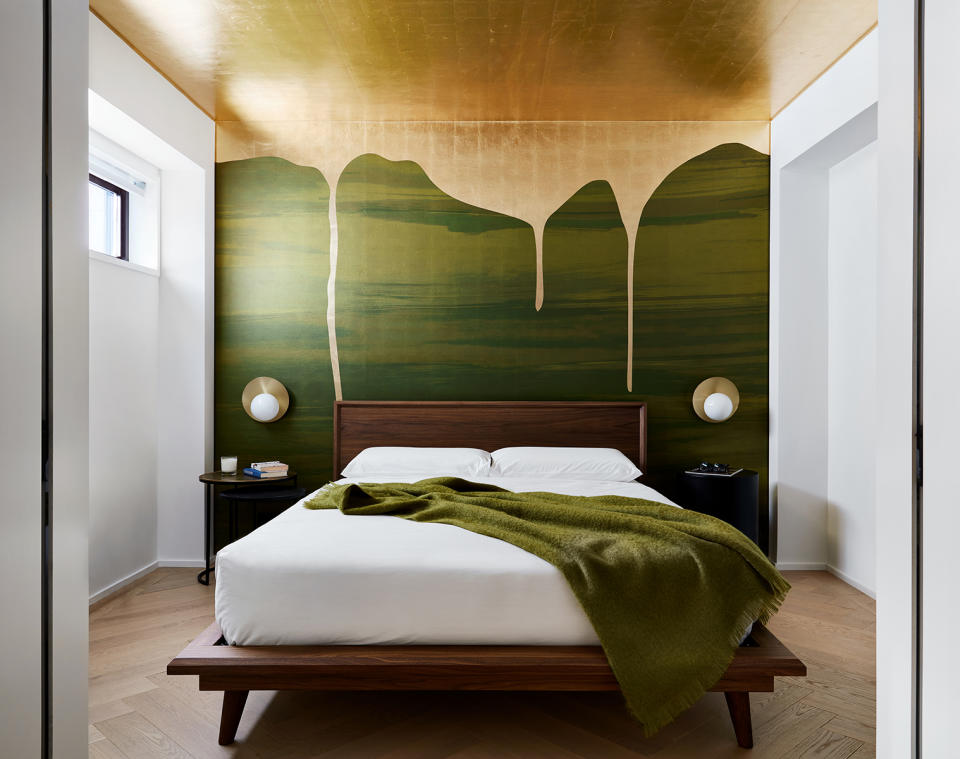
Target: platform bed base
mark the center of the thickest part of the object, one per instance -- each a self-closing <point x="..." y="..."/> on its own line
<point x="236" y="670"/>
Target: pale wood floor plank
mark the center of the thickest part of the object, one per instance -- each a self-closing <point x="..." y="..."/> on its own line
<point x="867" y="751"/>
<point x="113" y="686"/>
<point x="118" y="628"/>
<point x="104" y="749"/>
<point x="768" y="706"/>
<point x="776" y="738"/>
<point x="852" y="702"/>
<point x="853" y="728"/>
<point x="518" y="743"/>
<point x="825" y="745"/>
<point x="100" y="712"/>
<point x="107" y="711"/>
<point x="445" y="743"/>
<point x="175" y="719"/>
<point x="577" y="733"/>
<point x="420" y="736"/>
<point x="138" y="738"/>
<point x="205" y="703"/>
<point x="138" y="712"/>
<point x="713" y="739"/>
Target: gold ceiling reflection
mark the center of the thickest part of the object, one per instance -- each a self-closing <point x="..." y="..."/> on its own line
<point x="490" y="60"/>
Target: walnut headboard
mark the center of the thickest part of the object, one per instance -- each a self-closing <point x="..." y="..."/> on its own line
<point x="489" y="425"/>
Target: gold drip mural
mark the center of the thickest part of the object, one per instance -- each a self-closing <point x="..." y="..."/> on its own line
<point x="523" y="169"/>
<point x="401" y="289"/>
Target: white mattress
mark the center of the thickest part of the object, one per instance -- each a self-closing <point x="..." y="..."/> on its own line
<point x="312" y="577"/>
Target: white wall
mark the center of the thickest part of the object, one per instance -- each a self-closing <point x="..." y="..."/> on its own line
<point x="879" y="71"/>
<point x="798" y="359"/>
<point x="894" y="481"/>
<point x="69" y="362"/>
<point x="21" y="215"/>
<point x="21" y="71"/>
<point x="144" y="113"/>
<point x="124" y="340"/>
<point x="852" y="367"/>
<point x="185" y="431"/>
<point x="833" y="119"/>
<point x="941" y="367"/>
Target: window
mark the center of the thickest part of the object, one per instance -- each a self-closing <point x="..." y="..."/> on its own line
<point x="109" y="218"/>
<point x="124" y="200"/>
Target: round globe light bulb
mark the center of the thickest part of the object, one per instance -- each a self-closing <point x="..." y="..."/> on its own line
<point x="264" y="407"/>
<point x="718" y="406"/>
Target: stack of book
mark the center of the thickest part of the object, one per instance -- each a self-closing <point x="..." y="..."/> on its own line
<point x="267" y="469"/>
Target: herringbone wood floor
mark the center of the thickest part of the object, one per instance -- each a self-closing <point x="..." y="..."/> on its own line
<point x="137" y="712"/>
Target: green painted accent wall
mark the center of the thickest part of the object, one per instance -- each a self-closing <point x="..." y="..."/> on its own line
<point x="272" y="264"/>
<point x="433" y="295"/>
<point x="701" y="281"/>
<point x="435" y="300"/>
<point x="582" y="327"/>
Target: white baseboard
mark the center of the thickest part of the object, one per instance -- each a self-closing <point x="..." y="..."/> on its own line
<point x="801" y="565"/>
<point x="114" y="587"/>
<point x="824" y="567"/>
<point x="198" y="563"/>
<point x="850" y="581"/>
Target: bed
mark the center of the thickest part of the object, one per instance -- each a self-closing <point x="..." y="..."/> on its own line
<point x="465" y="613"/>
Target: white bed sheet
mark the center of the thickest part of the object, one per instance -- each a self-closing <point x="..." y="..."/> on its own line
<point x="313" y="577"/>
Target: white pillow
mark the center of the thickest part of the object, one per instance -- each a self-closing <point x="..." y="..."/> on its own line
<point x="606" y="464"/>
<point x="438" y="462"/>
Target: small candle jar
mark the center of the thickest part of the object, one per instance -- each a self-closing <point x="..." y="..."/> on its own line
<point x="228" y="464"/>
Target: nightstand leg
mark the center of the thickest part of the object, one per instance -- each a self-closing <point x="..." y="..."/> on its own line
<point x="204" y="577"/>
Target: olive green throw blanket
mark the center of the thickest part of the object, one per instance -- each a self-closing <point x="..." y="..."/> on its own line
<point x="669" y="592"/>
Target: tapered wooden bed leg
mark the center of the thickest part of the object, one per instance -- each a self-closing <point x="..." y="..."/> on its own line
<point x="233" y="701"/>
<point x="738" y="703"/>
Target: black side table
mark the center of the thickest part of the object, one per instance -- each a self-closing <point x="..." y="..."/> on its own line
<point x="256" y="496"/>
<point x="734" y="499"/>
<point x="211" y="480"/>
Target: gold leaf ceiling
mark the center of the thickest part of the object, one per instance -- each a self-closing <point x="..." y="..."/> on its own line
<point x="490" y="60"/>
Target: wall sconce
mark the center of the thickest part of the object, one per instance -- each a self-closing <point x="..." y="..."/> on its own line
<point x="265" y="399"/>
<point x="716" y="399"/>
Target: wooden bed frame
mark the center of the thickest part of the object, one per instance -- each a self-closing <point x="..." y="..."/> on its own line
<point x="236" y="670"/>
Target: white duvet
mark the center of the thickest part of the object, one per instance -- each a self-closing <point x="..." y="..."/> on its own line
<point x="312" y="577"/>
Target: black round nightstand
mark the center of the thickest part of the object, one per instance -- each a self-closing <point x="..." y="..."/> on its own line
<point x="733" y="498"/>
<point x="256" y="496"/>
<point x="231" y="479"/>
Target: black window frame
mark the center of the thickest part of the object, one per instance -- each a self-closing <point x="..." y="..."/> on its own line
<point x="124" y="196"/>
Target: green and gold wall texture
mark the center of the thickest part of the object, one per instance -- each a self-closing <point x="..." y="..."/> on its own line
<point x="436" y="299"/>
<point x="272" y="265"/>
